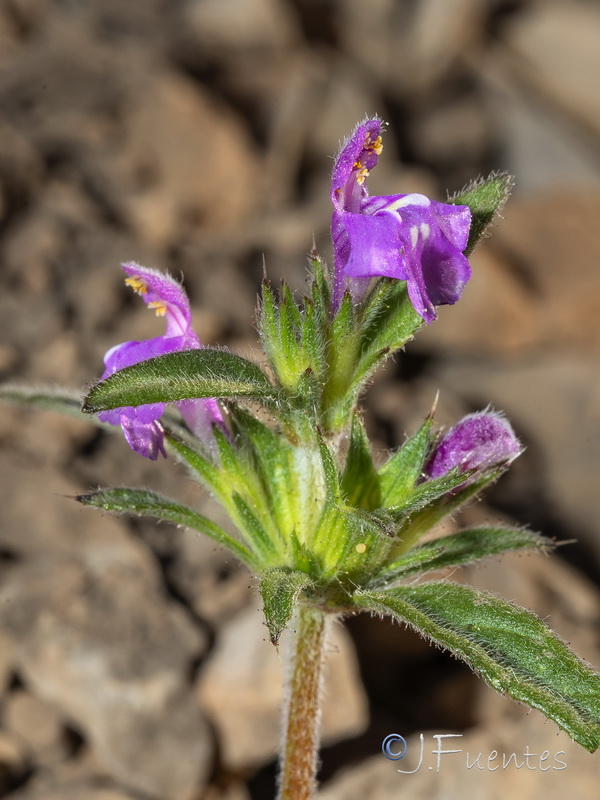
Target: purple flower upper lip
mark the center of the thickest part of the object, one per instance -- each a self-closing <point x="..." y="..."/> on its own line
<point x="404" y="236"/>
<point x="140" y="425"/>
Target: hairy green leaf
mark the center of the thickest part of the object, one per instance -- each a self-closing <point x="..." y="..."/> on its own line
<point x="508" y="646"/>
<point x="464" y="547"/>
<point x="63" y="401"/>
<point x="485" y="198"/>
<point x="180" y="376"/>
<point x="144" y="503"/>
<point x="360" y="483"/>
<point x="401" y="472"/>
<point x="280" y="589"/>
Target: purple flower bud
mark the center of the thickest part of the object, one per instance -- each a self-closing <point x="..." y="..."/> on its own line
<point x="140" y="425"/>
<point x="403" y="236"/>
<point x="479" y="441"/>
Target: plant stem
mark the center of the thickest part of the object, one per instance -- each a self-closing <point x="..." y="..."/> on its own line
<point x="299" y="755"/>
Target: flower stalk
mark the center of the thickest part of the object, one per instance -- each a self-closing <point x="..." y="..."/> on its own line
<point x="300" y="747"/>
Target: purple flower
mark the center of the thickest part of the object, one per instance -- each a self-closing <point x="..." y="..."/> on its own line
<point x="479" y="441"/>
<point x="403" y="236"/>
<point x="140" y="425"/>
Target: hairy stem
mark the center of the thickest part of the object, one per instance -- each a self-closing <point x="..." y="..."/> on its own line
<point x="300" y="749"/>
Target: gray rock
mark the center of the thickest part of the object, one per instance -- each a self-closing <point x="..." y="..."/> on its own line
<point x="49" y="789"/>
<point x="558" y="44"/>
<point x="99" y="641"/>
<point x="7" y="661"/>
<point x="14" y="760"/>
<point x="39" y="724"/>
<point x="468" y="773"/>
<point x="241" y="689"/>
<point x="551" y="403"/>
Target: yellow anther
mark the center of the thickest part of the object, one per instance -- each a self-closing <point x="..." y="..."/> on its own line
<point x="361" y="548"/>
<point x="159" y="307"/>
<point x="137" y="284"/>
<point x="375" y="146"/>
<point x="357" y="165"/>
<point x="363" y="173"/>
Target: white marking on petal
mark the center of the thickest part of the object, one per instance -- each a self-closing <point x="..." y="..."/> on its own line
<point x="425" y="230"/>
<point x="414" y="235"/>
<point x="409" y="200"/>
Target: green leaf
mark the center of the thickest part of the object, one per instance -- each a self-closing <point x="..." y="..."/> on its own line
<point x="434" y="500"/>
<point x="254" y="531"/>
<point x="330" y="470"/>
<point x="485" y="198"/>
<point x="320" y="287"/>
<point x="508" y="646"/>
<point x="385" y="323"/>
<point x="280" y="589"/>
<point x="271" y="459"/>
<point x="428" y="492"/>
<point x="389" y="319"/>
<point x="197" y="462"/>
<point x="268" y="323"/>
<point x="63" y="401"/>
<point x="144" y="503"/>
<point x="180" y="376"/>
<point x="401" y="472"/>
<point x="464" y="547"/>
<point x="360" y="482"/>
<point x="313" y="339"/>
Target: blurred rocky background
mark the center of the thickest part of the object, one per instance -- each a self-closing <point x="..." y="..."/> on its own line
<point x="196" y="136"/>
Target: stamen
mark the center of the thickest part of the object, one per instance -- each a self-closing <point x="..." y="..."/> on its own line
<point x="137" y="283"/>
<point x="375" y="146"/>
<point x="159" y="307"/>
<point x="362" y="175"/>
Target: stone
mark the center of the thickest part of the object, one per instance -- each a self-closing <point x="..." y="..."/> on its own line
<point x="540" y="145"/>
<point x="216" y="586"/>
<point x="49" y="789"/>
<point x="98" y="640"/>
<point x="551" y="402"/>
<point x="441" y="32"/>
<point x="558" y="45"/>
<point x="240" y="688"/>
<point x="39" y="724"/>
<point x="7" y="661"/>
<point x="476" y="770"/>
<point x="14" y="760"/>
<point x="252" y="44"/>
<point x="552" y="236"/>
<point x="175" y="173"/>
<point x="496" y="316"/>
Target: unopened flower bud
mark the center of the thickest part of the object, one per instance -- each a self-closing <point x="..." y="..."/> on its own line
<point x="479" y="441"/>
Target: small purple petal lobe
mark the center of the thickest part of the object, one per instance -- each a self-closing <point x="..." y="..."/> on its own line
<point x="479" y="441"/>
<point x="146" y="438"/>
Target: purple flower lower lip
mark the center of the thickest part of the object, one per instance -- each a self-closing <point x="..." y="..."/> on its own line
<point x="140" y="424"/>
<point x="406" y="236"/>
